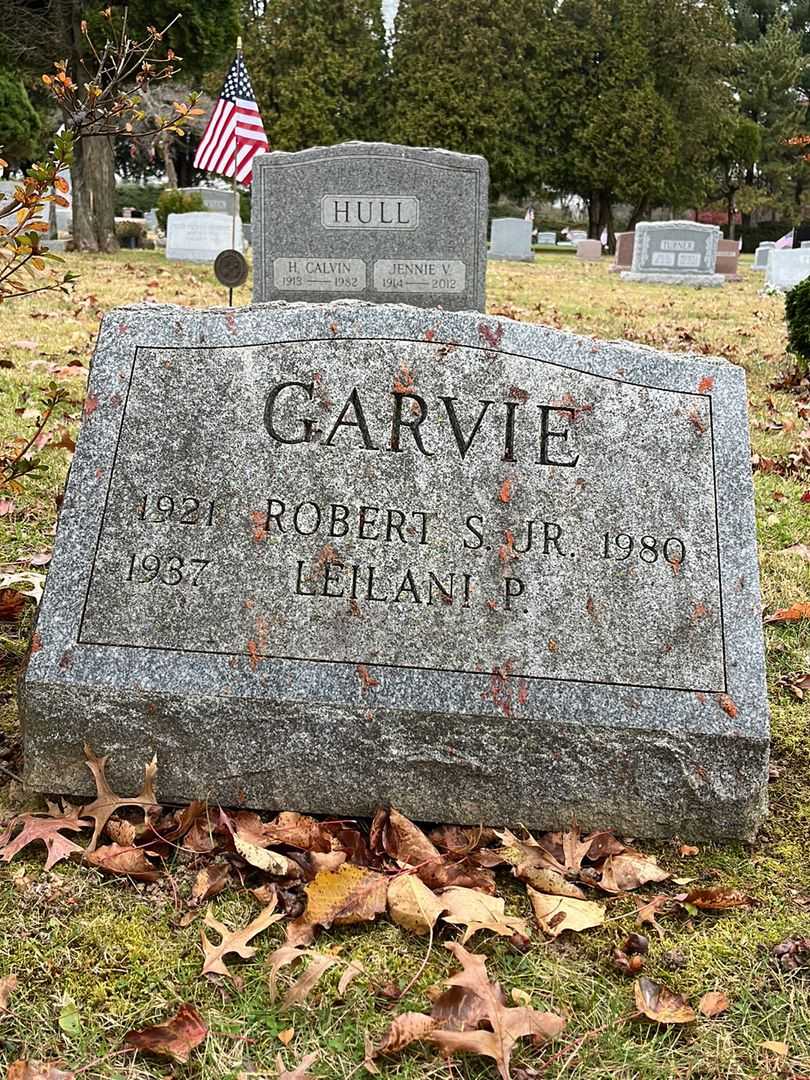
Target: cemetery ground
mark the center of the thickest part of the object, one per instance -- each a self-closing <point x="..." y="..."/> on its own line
<point x="96" y="956"/>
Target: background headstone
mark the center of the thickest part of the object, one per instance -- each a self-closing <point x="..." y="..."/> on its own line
<point x="623" y="259"/>
<point x="200" y="236"/>
<point x="761" y="254"/>
<point x="511" y="239"/>
<point x="151" y="219"/>
<point x="218" y="200"/>
<point x="547" y="238"/>
<point x="326" y="557"/>
<point x="370" y="221"/>
<point x="675" y="253"/>
<point x="728" y="256"/>
<point x="787" y="267"/>
<point x="589" y="250"/>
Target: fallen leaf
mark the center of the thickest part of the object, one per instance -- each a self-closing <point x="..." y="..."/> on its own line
<point x="548" y="881"/>
<point x="791" y="614"/>
<point x="270" y="861"/>
<point x="800" y="550"/>
<point x="233" y="941"/>
<point x="687" y="850"/>
<point x="7" y="987"/>
<point x="621" y="873"/>
<point x="210" y="881"/>
<point x="175" y="1039"/>
<point x="477" y="911"/>
<point x="780" y="1049"/>
<point x="286" y="1036"/>
<point x="299" y="831"/>
<point x="404" y="1029"/>
<point x="279" y="958"/>
<point x="37" y="1070"/>
<point x="12" y="605"/>
<point x="411" y="904"/>
<point x="344" y="896"/>
<point x="713" y="1003"/>
<point x="303" y="987"/>
<point x="715" y="899"/>
<point x="46" y="829"/>
<point x="299" y="1071"/>
<point x="648" y="909"/>
<point x="353" y="969"/>
<point x="657" y="1002"/>
<point x="107" y="802"/>
<point x="558" y="913"/>
<point x="129" y="861"/>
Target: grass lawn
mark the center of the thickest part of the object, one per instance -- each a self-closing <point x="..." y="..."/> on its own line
<point x="96" y="957"/>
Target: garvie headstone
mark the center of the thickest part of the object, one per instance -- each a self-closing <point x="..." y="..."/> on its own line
<point x="325" y="557"/>
<point x="370" y="221"/>
<point x="201" y="235"/>
<point x="511" y="240"/>
<point x="218" y="200"/>
<point x="675" y="253"/>
<point x="761" y="254"/>
<point x="787" y="267"/>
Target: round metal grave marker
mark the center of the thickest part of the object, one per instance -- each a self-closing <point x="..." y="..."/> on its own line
<point x="231" y="268"/>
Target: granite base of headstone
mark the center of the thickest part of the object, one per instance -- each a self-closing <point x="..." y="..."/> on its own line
<point x="511" y="240"/>
<point x="328" y="557"/>
<point x="675" y="253"/>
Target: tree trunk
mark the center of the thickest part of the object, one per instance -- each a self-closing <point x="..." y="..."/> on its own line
<point x="168" y="161"/>
<point x="730" y="211"/>
<point x="640" y="213"/>
<point x="594" y="211"/>
<point x="93" y="177"/>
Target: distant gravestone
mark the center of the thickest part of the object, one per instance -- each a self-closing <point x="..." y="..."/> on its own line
<point x="547" y="238"/>
<point x="787" y="267"/>
<point x="761" y="254"/>
<point x="623" y="259"/>
<point x="326" y="557"/>
<point x="151" y="219"/>
<point x="511" y="239"/>
<point x="200" y="236"/>
<point x="575" y="235"/>
<point x="589" y="250"/>
<point x="371" y="221"/>
<point x="728" y="257"/>
<point x="675" y="253"/>
<point x="217" y="200"/>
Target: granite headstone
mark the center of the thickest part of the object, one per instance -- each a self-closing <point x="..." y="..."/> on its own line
<point x="201" y="235"/>
<point x="589" y="250"/>
<point x="761" y="254"/>
<point x="370" y="221"/>
<point x="787" y="267"/>
<point x="623" y="259"/>
<point x="325" y="557"/>
<point x="675" y="253"/>
<point x="547" y="238"/>
<point x="218" y="200"/>
<point x="728" y="258"/>
<point x="511" y="240"/>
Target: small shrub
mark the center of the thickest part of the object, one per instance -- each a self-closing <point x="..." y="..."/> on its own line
<point x="130" y="233"/>
<point x="797" y="317"/>
<point x="172" y="201"/>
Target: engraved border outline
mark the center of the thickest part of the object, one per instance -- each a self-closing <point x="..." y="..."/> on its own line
<point x="264" y="172"/>
<point x="409" y="667"/>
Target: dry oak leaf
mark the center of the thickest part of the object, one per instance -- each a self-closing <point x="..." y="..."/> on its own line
<point x="404" y="1029"/>
<point x="234" y="941"/>
<point x="270" y="861"/>
<point x="210" y="881"/>
<point x="715" y="899"/>
<point x="175" y="1039"/>
<point x="107" y="802"/>
<point x="648" y="909"/>
<point x="713" y="1003"/>
<point x="477" y="911"/>
<point x="299" y="831"/>
<point x="549" y="881"/>
<point x="37" y="1070"/>
<point x="791" y="614"/>
<point x="395" y="835"/>
<point x="411" y="904"/>
<point x="657" y="1002"/>
<point x="7" y="987"/>
<point x="303" y="987"/>
<point x="779" y="1049"/>
<point x="299" y="1071"/>
<point x="508" y="1025"/>
<point x="631" y="869"/>
<point x="353" y="969"/>
<point x="802" y="550"/>
<point x="128" y="861"/>
<point x="344" y="896"/>
<point x="279" y="958"/>
<point x="46" y="829"/>
<point x="558" y="913"/>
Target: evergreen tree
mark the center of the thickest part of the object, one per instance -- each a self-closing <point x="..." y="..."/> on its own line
<point x="317" y="69"/>
<point x="470" y="77"/>
<point x="20" y="123"/>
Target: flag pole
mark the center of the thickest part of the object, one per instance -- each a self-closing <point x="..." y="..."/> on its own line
<point x="234" y="185"/>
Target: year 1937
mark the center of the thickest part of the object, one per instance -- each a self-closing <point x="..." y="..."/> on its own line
<point x="165" y="570"/>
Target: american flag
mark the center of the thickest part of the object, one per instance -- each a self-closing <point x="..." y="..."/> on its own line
<point x="235" y="133"/>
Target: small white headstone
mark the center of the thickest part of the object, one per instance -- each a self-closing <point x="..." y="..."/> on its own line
<point x="787" y="267"/>
<point x="761" y="255"/>
<point x="589" y="250"/>
<point x="511" y="239"/>
<point x="547" y="238"/>
<point x="200" y="236"/>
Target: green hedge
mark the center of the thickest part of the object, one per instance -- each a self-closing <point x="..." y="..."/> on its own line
<point x="172" y="201"/>
<point x="797" y="317"/>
